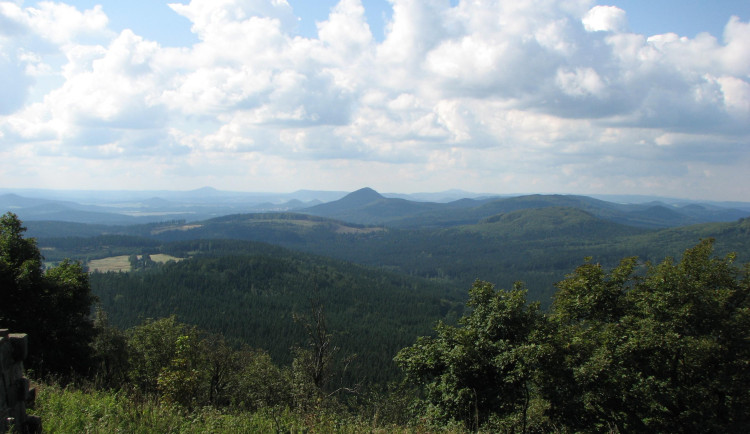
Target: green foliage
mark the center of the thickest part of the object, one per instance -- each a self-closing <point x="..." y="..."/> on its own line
<point x="72" y="410"/>
<point x="252" y="300"/>
<point x="179" y="381"/>
<point x="316" y="360"/>
<point x="85" y="410"/>
<point x="153" y="347"/>
<point x="221" y="365"/>
<point x="483" y="367"/>
<point x="53" y="307"/>
<point x="317" y="364"/>
<point x="666" y="351"/>
<point x="89" y="244"/>
<point x="20" y="271"/>
<point x="258" y="383"/>
<point x="205" y="387"/>
<point x="187" y="367"/>
<point x="652" y="348"/>
<point x="142" y="262"/>
<point x="109" y="348"/>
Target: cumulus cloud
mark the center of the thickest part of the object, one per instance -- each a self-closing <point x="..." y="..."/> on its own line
<point x="540" y="90"/>
<point x="346" y="31"/>
<point x="27" y="34"/>
<point x="605" y="19"/>
<point x="210" y="16"/>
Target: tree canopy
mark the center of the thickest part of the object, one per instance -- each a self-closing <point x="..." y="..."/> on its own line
<point x="643" y="347"/>
<point x="52" y="306"/>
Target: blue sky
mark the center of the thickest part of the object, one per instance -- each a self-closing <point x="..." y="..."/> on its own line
<point x="155" y="20"/>
<point x="550" y="96"/>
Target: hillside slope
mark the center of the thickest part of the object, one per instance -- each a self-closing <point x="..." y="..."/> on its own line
<point x="252" y="299"/>
<point x="537" y="246"/>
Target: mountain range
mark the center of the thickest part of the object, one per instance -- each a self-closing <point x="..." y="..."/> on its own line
<point x="534" y="238"/>
<point x="364" y="206"/>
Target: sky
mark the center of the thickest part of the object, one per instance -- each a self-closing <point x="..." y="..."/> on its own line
<point x="494" y="96"/>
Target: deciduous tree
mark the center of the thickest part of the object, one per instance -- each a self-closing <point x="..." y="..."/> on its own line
<point x="52" y="306"/>
<point x="668" y="350"/>
<point x="483" y="368"/>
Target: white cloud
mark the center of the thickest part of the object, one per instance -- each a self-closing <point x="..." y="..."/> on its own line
<point x="605" y="19"/>
<point x="346" y="30"/>
<point x="63" y="24"/>
<point x="210" y="17"/>
<point x="538" y="90"/>
<point x="736" y="95"/>
<point x="580" y="82"/>
<point x="736" y="54"/>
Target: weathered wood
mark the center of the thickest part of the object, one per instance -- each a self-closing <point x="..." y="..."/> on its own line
<point x="15" y="395"/>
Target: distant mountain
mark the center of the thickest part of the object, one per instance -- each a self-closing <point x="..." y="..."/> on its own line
<point x="367" y="206"/>
<point x="315" y="195"/>
<point x="641" y="199"/>
<point x="551" y="222"/>
<point x="359" y="198"/>
<point x="44" y="209"/>
<point x="292" y="205"/>
<point x="713" y="213"/>
<point x="59" y="212"/>
<point x="654" y="215"/>
<point x="364" y="206"/>
<point x="11" y="202"/>
<point x="132" y="208"/>
<point x="203" y="192"/>
<point x="205" y="195"/>
<point x="444" y="196"/>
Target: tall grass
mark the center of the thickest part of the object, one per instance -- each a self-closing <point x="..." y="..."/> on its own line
<point x="74" y="409"/>
<point x="81" y="410"/>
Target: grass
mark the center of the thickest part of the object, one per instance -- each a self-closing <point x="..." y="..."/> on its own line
<point x="72" y="410"/>
<point x="83" y="410"/>
<point x="122" y="263"/>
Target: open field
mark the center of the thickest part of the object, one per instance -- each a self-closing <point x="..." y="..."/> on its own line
<point x="122" y="263"/>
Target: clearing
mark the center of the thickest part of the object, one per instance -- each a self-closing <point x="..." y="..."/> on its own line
<point x="122" y="263"/>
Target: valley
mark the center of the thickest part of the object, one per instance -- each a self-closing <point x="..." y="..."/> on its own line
<point x="376" y="272"/>
<point x="437" y="249"/>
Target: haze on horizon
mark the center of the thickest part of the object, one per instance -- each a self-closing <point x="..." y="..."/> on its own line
<point x="540" y="96"/>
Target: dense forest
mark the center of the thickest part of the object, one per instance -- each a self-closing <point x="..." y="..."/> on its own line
<point x="537" y="246"/>
<point x="292" y="322"/>
<point x="253" y="299"/>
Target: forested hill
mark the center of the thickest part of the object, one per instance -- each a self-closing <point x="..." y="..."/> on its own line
<point x="252" y="297"/>
<point x="537" y="246"/>
<point x="366" y="206"/>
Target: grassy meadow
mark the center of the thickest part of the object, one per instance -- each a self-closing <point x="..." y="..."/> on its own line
<point x="122" y="263"/>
